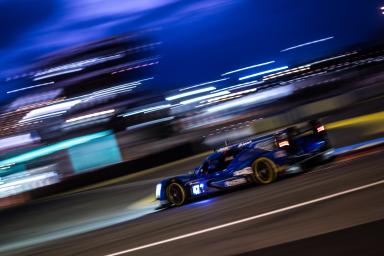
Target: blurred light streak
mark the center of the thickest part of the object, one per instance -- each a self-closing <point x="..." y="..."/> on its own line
<point x="218" y="100"/>
<point x="255" y="98"/>
<point x="254" y="66"/>
<point x="197" y="85"/>
<point x="105" y="93"/>
<point x="28" y="183"/>
<point x="157" y="121"/>
<point x="145" y="79"/>
<point x="51" y="109"/>
<point x="90" y="115"/>
<point x="333" y="58"/>
<point x="147" y="110"/>
<point x="58" y="74"/>
<point x="36" y="98"/>
<point x="114" y="90"/>
<point x="227" y="97"/>
<point x="186" y="94"/>
<point x="40" y="117"/>
<point x="309" y="43"/>
<point x="287" y="72"/>
<point x="263" y="73"/>
<point x="78" y="64"/>
<point x="16" y="141"/>
<point x="111" y="91"/>
<point x="232" y="94"/>
<point x="135" y="67"/>
<point x="242" y="85"/>
<point x="29" y="87"/>
<point x="53" y="148"/>
<point x="204" y="97"/>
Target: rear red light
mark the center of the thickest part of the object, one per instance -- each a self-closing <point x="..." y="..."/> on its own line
<point x="320" y="128"/>
<point x="283" y="143"/>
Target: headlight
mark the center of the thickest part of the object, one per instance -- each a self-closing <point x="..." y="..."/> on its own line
<point x="158" y="190"/>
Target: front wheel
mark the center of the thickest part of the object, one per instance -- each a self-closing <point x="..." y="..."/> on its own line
<point x="264" y="170"/>
<point x="176" y="194"/>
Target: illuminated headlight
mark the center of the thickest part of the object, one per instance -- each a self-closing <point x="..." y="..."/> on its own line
<point x="158" y="190"/>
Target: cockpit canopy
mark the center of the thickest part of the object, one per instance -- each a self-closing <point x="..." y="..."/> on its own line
<point x="216" y="162"/>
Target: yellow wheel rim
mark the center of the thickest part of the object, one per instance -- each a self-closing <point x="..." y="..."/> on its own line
<point x="175" y="194"/>
<point x="264" y="170"/>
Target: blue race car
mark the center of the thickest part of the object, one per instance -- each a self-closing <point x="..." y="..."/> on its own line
<point x="258" y="161"/>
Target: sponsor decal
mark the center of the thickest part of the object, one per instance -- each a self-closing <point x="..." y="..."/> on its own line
<point x="235" y="182"/>
<point x="245" y="171"/>
<point x="244" y="144"/>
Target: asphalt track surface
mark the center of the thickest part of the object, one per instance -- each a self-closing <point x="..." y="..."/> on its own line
<point x="361" y="202"/>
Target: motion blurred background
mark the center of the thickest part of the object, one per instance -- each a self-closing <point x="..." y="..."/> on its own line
<point x="91" y="90"/>
<point x="100" y="100"/>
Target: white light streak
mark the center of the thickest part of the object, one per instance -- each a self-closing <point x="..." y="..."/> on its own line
<point x="208" y="96"/>
<point x="157" y="121"/>
<point x="332" y="58"/>
<point x="112" y="90"/>
<point x="28" y="183"/>
<point x="45" y="116"/>
<point x="57" y="74"/>
<point x="18" y="140"/>
<point x="197" y="85"/>
<point x="58" y="108"/>
<point x="147" y="110"/>
<point x="145" y="79"/>
<point x="186" y="94"/>
<point x="263" y="73"/>
<point x="309" y="43"/>
<point x="242" y="85"/>
<point x="78" y="64"/>
<point x="254" y="66"/>
<point x="110" y="111"/>
<point x="29" y="87"/>
<point x="254" y="98"/>
<point x="287" y="72"/>
<point x="232" y="94"/>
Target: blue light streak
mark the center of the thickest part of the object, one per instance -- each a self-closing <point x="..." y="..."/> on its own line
<point x="309" y="43"/>
<point x="253" y="66"/>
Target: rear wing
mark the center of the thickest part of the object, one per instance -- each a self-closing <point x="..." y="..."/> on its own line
<point x="279" y="138"/>
<point x="312" y="127"/>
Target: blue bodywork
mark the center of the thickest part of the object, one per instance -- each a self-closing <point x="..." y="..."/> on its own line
<point x="231" y="166"/>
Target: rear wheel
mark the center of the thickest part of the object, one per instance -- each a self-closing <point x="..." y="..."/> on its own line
<point x="176" y="194"/>
<point x="264" y="170"/>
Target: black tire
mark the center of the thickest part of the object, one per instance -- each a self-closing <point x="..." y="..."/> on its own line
<point x="264" y="171"/>
<point x="176" y="194"/>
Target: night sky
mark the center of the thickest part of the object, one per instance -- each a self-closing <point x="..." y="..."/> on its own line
<point x="201" y="39"/>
